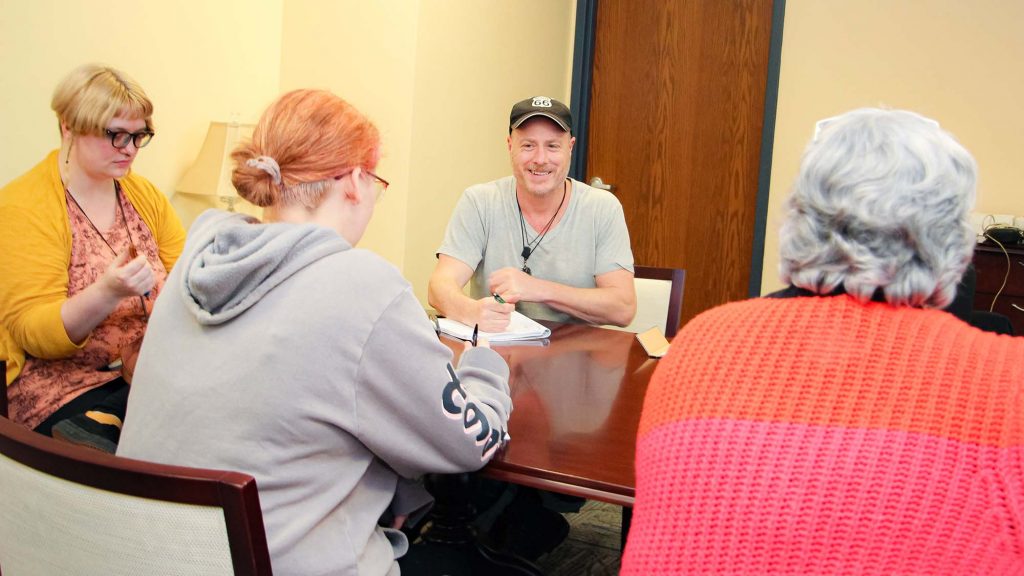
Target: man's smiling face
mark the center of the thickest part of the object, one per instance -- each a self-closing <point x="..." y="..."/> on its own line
<point x="540" y="152"/>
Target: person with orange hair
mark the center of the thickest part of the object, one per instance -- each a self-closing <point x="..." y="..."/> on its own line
<point x="280" y="350"/>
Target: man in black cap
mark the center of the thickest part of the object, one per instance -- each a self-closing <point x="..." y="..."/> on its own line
<point x="537" y="241"/>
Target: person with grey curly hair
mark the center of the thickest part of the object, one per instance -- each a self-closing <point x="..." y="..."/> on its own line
<point x="880" y="208"/>
<point x="845" y="421"/>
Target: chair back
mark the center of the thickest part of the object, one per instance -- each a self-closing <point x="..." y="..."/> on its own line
<point x="659" y="299"/>
<point x="71" y="510"/>
<point x="991" y="322"/>
<point x="3" y="397"/>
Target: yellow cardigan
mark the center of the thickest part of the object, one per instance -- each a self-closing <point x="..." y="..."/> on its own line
<point x="35" y="252"/>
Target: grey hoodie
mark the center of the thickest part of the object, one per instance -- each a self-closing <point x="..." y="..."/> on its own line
<point x="281" y="351"/>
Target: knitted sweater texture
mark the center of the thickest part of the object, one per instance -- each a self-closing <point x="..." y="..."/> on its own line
<point x="824" y="436"/>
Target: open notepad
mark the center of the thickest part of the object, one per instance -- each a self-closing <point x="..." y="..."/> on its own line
<point x="519" y="328"/>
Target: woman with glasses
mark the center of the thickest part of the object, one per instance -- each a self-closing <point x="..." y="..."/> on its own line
<point x="86" y="246"/>
<point x="281" y="350"/>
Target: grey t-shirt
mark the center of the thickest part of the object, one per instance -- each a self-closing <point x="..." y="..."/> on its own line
<point x="486" y="233"/>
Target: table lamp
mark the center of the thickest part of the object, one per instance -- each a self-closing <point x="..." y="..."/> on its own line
<point x="210" y="174"/>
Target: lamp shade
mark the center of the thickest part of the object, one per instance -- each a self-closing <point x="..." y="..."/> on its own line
<point x="210" y="174"/>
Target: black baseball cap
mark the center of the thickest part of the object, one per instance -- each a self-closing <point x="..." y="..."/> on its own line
<point x="540" y="106"/>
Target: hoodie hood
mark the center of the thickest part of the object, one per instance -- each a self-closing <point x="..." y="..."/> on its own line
<point x="231" y="260"/>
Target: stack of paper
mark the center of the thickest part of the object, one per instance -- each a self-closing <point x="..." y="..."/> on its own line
<point x="519" y="328"/>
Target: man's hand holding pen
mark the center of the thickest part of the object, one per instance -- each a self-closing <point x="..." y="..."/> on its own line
<point x="494" y="313"/>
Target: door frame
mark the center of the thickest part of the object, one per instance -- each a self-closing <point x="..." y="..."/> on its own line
<point x="579" y="103"/>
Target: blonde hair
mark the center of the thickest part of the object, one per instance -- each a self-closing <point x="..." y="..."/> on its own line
<point x="302" y="142"/>
<point x="91" y="95"/>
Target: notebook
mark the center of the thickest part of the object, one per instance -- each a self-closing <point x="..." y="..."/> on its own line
<point x="519" y="328"/>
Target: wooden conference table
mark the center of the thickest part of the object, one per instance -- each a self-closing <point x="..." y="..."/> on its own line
<point x="576" y="401"/>
<point x="576" y="405"/>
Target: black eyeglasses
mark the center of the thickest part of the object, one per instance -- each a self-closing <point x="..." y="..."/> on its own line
<point x="119" y="139"/>
<point x="380" y="183"/>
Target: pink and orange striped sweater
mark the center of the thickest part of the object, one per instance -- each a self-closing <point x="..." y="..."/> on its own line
<point x="822" y="436"/>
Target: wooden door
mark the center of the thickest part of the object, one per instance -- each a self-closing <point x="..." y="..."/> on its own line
<point x="677" y="107"/>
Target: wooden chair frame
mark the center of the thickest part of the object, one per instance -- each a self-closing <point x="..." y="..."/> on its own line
<point x="677" y="277"/>
<point x="3" y="397"/>
<point x="234" y="492"/>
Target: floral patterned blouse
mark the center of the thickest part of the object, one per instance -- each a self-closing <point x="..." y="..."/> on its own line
<point x="46" y="385"/>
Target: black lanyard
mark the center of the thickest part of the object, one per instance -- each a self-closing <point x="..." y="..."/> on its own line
<point x="530" y="247"/>
<point x="132" y="250"/>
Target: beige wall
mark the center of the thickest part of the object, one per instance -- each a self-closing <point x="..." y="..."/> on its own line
<point x="366" y="53"/>
<point x="955" y="61"/>
<point x="437" y="76"/>
<point x="198" y="60"/>
<point x="470" y="69"/>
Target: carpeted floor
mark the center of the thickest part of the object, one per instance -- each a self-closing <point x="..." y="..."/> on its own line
<point x="592" y="548"/>
<point x="593" y="545"/>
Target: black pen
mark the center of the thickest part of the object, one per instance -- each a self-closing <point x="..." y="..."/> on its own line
<point x="133" y="253"/>
<point x="476" y="330"/>
<point x="498" y="297"/>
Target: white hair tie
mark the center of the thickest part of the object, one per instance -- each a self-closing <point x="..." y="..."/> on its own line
<point x="268" y="165"/>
